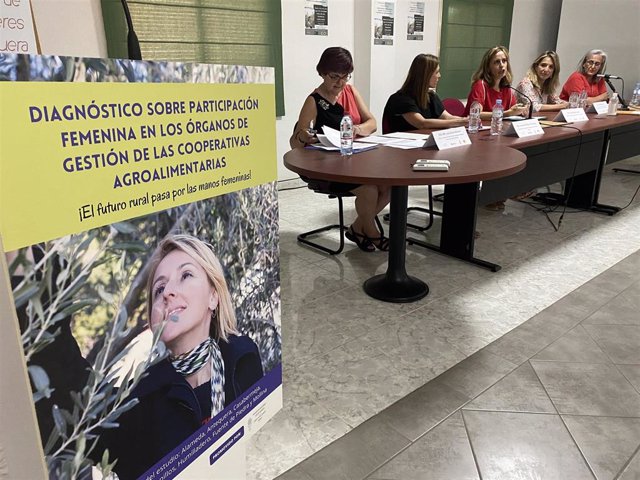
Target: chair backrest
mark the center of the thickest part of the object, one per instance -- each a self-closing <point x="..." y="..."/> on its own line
<point x="386" y="126"/>
<point x="454" y="106"/>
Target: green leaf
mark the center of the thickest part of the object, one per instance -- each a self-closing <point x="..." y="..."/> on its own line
<point x="130" y="247"/>
<point x="39" y="377"/>
<point x="21" y="296"/>
<point x="59" y="422"/>
<point x="125" y="227"/>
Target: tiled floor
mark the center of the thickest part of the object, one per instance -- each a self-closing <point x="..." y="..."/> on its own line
<point x="491" y="372"/>
<point x="571" y="410"/>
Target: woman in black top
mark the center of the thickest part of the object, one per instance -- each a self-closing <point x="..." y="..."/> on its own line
<point x="416" y="105"/>
<point x="326" y="105"/>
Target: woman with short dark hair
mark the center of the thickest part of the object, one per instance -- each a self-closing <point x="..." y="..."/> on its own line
<point x="326" y="105"/>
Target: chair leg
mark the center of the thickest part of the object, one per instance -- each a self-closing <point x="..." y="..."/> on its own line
<point x="303" y="237"/>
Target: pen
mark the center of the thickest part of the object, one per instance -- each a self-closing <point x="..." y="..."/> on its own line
<point x="310" y="130"/>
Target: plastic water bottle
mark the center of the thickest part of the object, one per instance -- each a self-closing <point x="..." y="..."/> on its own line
<point x="346" y="135"/>
<point x="612" y="108"/>
<point x="635" y="98"/>
<point x="582" y="99"/>
<point x="474" y="117"/>
<point x="496" y="118"/>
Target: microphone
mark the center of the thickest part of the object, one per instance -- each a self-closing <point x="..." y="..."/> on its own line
<point x="133" y="45"/>
<point x="525" y="96"/>
<point x="607" y="75"/>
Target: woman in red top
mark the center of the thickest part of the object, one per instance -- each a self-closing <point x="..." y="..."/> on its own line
<point x="326" y="105"/>
<point x="492" y="82"/>
<point x="586" y="78"/>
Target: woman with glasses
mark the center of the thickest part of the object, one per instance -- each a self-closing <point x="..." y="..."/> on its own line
<point x="416" y="104"/>
<point x="326" y="105"/>
<point x="586" y="78"/>
<point x="541" y="83"/>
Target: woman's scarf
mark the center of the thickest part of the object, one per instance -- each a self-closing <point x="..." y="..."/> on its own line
<point x="190" y="362"/>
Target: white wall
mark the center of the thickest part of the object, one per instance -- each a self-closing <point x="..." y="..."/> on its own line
<point x="613" y="26"/>
<point x="390" y="64"/>
<point x="379" y="69"/>
<point x="534" y="29"/>
<point x="70" y="27"/>
<point x="300" y="55"/>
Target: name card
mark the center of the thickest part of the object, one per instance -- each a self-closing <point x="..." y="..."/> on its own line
<point x="449" y="138"/>
<point x="598" y="107"/>
<point x="525" y="128"/>
<point x="571" y="115"/>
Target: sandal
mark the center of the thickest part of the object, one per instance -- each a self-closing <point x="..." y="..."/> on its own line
<point x="381" y="243"/>
<point x="362" y="241"/>
<point x="496" y="206"/>
<point x="524" y="196"/>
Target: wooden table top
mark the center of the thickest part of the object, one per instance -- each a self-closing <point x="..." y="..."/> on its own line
<point x="393" y="166"/>
<point x="553" y="134"/>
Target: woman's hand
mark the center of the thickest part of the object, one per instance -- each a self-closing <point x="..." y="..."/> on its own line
<point x="517" y="109"/>
<point x="459" y="121"/>
<point x="304" y="137"/>
<point x="359" y="131"/>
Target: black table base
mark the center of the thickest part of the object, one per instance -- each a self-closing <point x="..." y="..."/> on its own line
<point x="395" y="285"/>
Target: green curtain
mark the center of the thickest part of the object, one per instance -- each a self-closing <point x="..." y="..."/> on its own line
<point x="232" y="32"/>
<point x="469" y="28"/>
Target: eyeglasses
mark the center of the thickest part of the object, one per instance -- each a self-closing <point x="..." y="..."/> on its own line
<point x="336" y="76"/>
<point x="593" y="63"/>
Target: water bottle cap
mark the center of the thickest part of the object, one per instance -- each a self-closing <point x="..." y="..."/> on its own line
<point x="499" y="101"/>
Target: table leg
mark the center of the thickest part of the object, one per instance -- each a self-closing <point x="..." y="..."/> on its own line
<point x="458" y="225"/>
<point x="395" y="285"/>
<point x="584" y="190"/>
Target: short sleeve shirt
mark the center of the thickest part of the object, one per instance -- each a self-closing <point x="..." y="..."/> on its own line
<point x="400" y="103"/>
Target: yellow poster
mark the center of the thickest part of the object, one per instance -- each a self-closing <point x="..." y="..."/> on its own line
<point x="139" y="267"/>
<point x="99" y="153"/>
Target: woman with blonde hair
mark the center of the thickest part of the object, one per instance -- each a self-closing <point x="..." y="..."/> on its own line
<point x="541" y="83"/>
<point x="416" y="105"/>
<point x="586" y="78"/>
<point x="492" y="82"/>
<point x="210" y="364"/>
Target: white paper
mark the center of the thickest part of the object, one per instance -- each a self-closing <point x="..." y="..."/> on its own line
<point x="408" y="135"/>
<point x="332" y="135"/>
<point x="379" y="140"/>
<point x="331" y="140"/>
<point x="406" y="144"/>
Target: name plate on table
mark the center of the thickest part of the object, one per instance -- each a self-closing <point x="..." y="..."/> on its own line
<point x="449" y="138"/>
<point x="525" y="128"/>
<point x="571" y="115"/>
<point x="598" y="107"/>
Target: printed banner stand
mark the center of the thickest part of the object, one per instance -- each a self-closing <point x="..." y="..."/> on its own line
<point x="139" y="220"/>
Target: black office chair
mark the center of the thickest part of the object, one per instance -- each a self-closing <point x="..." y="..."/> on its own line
<point x="386" y="128"/>
<point x="324" y="187"/>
